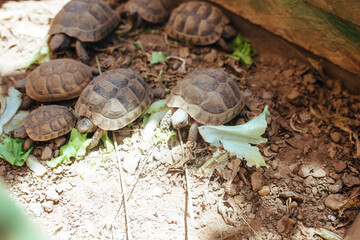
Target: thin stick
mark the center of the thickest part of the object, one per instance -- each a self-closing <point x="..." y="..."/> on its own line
<point x="98" y="64"/>
<point x="188" y="205"/>
<point x="128" y="234"/>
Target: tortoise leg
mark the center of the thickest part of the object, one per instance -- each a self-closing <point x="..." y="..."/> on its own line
<point x="96" y="138"/>
<point x="27" y="144"/>
<point x="81" y="52"/>
<point x="193" y="134"/>
<point x="158" y="92"/>
<point x="224" y="45"/>
<point x="166" y="120"/>
<point x="228" y="32"/>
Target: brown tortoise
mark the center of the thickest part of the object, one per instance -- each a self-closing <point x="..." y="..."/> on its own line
<point x="209" y="96"/>
<point x="200" y="23"/>
<point x="153" y="11"/>
<point x="59" y="79"/>
<point x="83" y="20"/>
<point x="111" y="101"/>
<point x="46" y="123"/>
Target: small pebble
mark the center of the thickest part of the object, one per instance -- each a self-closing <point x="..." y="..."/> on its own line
<point x="48" y="206"/>
<point x="2" y="170"/>
<point x="52" y="195"/>
<point x="334" y="201"/>
<point x="277" y="175"/>
<point x="256" y="181"/>
<point x="314" y="190"/>
<point x="350" y="180"/>
<point x="304" y="171"/>
<point x="335" y="188"/>
<point x="265" y="190"/>
<point x="335" y="137"/>
<point x="9" y="176"/>
<point x="310" y="181"/>
<point x="339" y="166"/>
<point x="319" y="173"/>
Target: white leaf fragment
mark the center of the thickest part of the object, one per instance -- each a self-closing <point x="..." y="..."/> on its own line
<point x="15" y="122"/>
<point x="33" y="163"/>
<point x="237" y="139"/>
<point x="13" y="102"/>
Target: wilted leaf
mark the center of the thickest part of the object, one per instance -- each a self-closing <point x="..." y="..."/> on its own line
<point x="75" y="148"/>
<point x="242" y="50"/>
<point x="13" y="102"/>
<point x="157" y="57"/>
<point x="11" y="151"/>
<point x="237" y="139"/>
<point x="40" y="57"/>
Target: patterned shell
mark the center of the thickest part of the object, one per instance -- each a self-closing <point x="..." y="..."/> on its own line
<point x="153" y="11"/>
<point x="57" y="80"/>
<point x="114" y="99"/>
<point x="199" y="23"/>
<point x="210" y="96"/>
<point x="86" y="20"/>
<point x="48" y="122"/>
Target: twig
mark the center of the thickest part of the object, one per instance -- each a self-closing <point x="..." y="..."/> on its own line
<point x="182" y="60"/>
<point x="128" y="234"/>
<point x="98" y="64"/>
<point x="133" y="186"/>
<point x="188" y="205"/>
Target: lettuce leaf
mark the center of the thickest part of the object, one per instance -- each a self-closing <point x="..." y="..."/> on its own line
<point x="237" y="139"/>
<point x="11" y="151"/>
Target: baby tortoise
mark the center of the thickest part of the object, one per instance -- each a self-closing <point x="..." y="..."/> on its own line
<point x="111" y="101"/>
<point x="46" y="123"/>
<point x="152" y="11"/>
<point x="59" y="79"/>
<point x="83" y="20"/>
<point x="209" y="96"/>
<point x="200" y="23"/>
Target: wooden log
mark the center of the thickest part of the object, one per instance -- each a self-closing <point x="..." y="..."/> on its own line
<point x="305" y="25"/>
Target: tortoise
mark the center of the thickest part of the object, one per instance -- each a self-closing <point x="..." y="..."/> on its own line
<point x="46" y="123"/>
<point x="82" y="20"/>
<point x="111" y="101"/>
<point x="200" y="23"/>
<point x="152" y="11"/>
<point x="59" y="79"/>
<point x="209" y="96"/>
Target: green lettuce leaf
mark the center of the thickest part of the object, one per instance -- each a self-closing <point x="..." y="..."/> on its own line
<point x="40" y="57"/>
<point x="237" y="139"/>
<point x="76" y="148"/>
<point x="242" y="50"/>
<point x="11" y="151"/>
<point x="157" y="57"/>
<point x="107" y="143"/>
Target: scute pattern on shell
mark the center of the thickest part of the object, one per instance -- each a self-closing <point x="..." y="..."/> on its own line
<point x="199" y="23"/>
<point x="86" y="20"/>
<point x="114" y="99"/>
<point x="57" y="80"/>
<point x="210" y="96"/>
<point x="49" y="122"/>
<point x="153" y="11"/>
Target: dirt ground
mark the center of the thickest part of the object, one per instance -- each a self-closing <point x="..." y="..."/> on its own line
<point x="312" y="151"/>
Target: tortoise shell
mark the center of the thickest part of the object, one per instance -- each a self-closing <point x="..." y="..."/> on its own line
<point x="57" y="80"/>
<point x="199" y="23"/>
<point x="153" y="11"/>
<point x="114" y="99"/>
<point x="210" y="96"/>
<point x="48" y="122"/>
<point x="86" y="20"/>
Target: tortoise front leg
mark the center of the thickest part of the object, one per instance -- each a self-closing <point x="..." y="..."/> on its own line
<point x="224" y="45"/>
<point x="81" y="52"/>
<point x="193" y="134"/>
<point x="96" y="138"/>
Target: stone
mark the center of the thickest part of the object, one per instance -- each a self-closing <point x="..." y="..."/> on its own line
<point x="52" y="195"/>
<point x="294" y="94"/>
<point x="339" y="166"/>
<point x="335" y="188"/>
<point x="265" y="190"/>
<point x="2" y="170"/>
<point x="130" y="164"/>
<point x="35" y="208"/>
<point x="9" y="176"/>
<point x="48" y="206"/>
<point x="256" y="181"/>
<point x="59" y="141"/>
<point x="350" y="180"/>
<point x="310" y="181"/>
<point x="314" y="190"/>
<point x="277" y="175"/>
<point x="285" y="225"/>
<point x="319" y="173"/>
<point x="304" y="171"/>
<point x="335" y="137"/>
<point x="46" y="153"/>
<point x="58" y="170"/>
<point x="334" y="201"/>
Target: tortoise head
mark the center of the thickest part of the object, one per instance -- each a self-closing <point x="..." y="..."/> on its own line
<point x="20" y="132"/>
<point x="85" y="125"/>
<point x="180" y="118"/>
<point x="59" y="42"/>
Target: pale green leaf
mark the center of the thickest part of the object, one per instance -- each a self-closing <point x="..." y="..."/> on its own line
<point x="157" y="57"/>
<point x="11" y="151"/>
<point x="107" y="143"/>
<point x="237" y="139"/>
